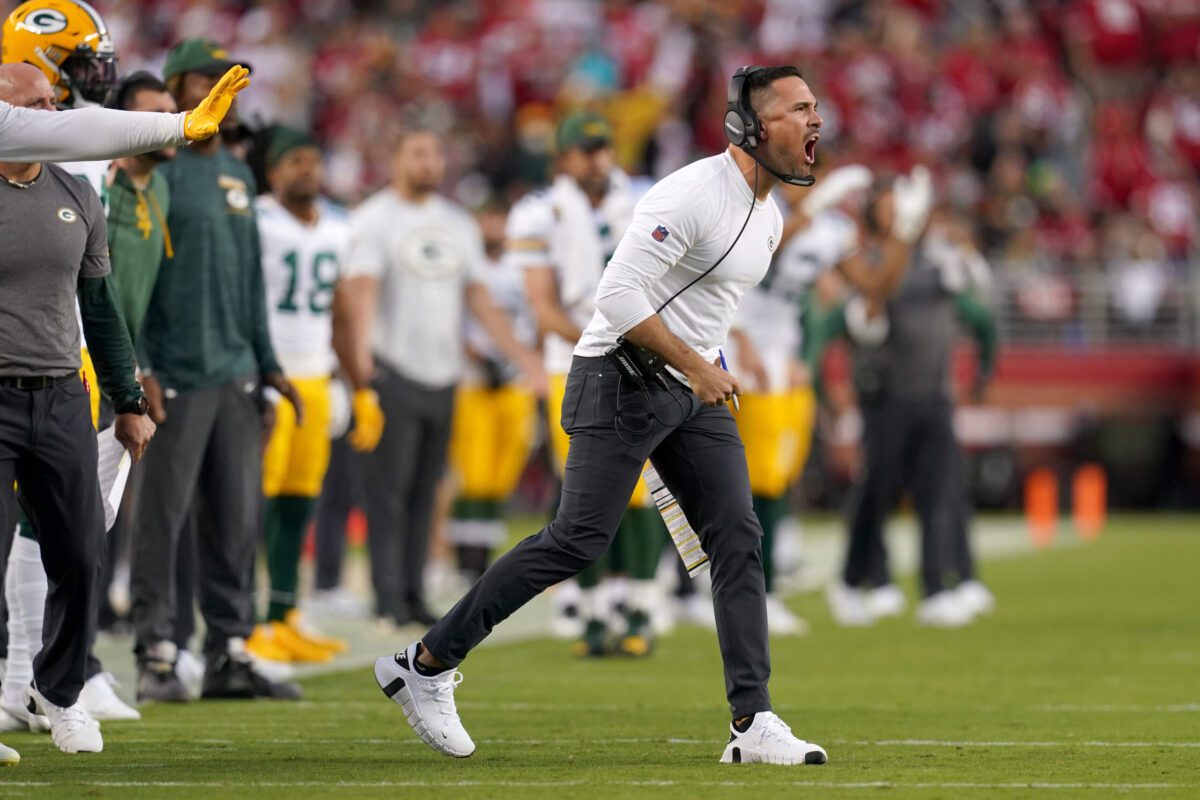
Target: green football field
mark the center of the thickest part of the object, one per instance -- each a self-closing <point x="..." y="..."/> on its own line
<point x="1085" y="683"/>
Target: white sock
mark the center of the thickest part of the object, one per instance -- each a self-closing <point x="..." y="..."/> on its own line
<point x="592" y="605"/>
<point x="25" y="592"/>
<point x="643" y="596"/>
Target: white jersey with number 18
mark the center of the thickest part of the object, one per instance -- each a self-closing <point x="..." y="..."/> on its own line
<point x="301" y="264"/>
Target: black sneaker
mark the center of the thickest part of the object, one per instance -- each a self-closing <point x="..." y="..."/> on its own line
<point x="157" y="682"/>
<point x="227" y="678"/>
<point x="275" y="690"/>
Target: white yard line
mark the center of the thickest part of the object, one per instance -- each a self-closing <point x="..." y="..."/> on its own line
<point x="592" y="783"/>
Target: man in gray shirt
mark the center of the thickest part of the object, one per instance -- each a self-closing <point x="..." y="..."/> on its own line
<point x="55" y="250"/>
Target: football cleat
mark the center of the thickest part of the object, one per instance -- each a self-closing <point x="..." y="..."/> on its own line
<point x="944" y="609"/>
<point x="9" y="757"/>
<point x="781" y="621"/>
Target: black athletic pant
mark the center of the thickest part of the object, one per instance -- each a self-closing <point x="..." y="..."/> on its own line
<point x="208" y="451"/>
<point x="907" y="445"/>
<point x="401" y="478"/>
<point x="339" y="493"/>
<point x="48" y="444"/>
<point x="614" y="428"/>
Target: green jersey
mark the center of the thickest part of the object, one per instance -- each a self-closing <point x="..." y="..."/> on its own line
<point x="138" y="240"/>
<point x="207" y="320"/>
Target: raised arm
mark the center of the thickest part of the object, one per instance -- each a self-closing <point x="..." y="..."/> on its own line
<point x="94" y="134"/>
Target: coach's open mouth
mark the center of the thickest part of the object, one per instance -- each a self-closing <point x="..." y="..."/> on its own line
<point x="810" y="148"/>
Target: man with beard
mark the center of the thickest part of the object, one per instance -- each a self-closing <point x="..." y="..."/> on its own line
<point x="414" y="267"/>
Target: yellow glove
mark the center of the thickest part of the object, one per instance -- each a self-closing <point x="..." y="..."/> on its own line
<point x="204" y="120"/>
<point x="368" y="421"/>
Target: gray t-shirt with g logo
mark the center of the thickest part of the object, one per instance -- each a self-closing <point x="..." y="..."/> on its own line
<point x="52" y="233"/>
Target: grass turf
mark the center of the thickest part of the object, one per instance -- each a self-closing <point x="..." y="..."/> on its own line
<point x="1084" y="684"/>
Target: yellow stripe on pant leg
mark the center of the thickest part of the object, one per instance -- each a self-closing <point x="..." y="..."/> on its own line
<point x="308" y="455"/>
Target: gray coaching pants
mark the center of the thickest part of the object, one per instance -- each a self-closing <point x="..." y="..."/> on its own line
<point x="209" y="451"/>
<point x="400" y="478"/>
<point x="698" y="454"/>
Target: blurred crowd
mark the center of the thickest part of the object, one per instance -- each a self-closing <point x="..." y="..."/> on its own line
<point x="1071" y="128"/>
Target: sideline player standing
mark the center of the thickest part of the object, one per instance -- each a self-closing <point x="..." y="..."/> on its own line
<point x="303" y="240"/>
<point x="207" y="353"/>
<point x="415" y="262"/>
<point x="563" y="236"/>
<point x="698" y="240"/>
<point x="494" y="414"/>
<point x="778" y="409"/>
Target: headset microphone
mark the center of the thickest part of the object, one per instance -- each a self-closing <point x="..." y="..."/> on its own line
<point x="743" y="128"/>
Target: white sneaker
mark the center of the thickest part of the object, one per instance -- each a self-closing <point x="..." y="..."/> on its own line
<point x="943" y="610"/>
<point x="98" y="699"/>
<point x="336" y="604"/>
<point x="976" y="597"/>
<point x="190" y="671"/>
<point x="73" y="729"/>
<point x="9" y="757"/>
<point x="428" y="702"/>
<point x="769" y="740"/>
<point x="848" y="605"/>
<point x="781" y="621"/>
<point x="10" y="724"/>
<point x="886" y="601"/>
<point x="34" y="723"/>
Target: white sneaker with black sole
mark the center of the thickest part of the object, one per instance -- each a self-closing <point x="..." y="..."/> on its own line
<point x="427" y="700"/>
<point x="769" y="740"/>
<point x="72" y="728"/>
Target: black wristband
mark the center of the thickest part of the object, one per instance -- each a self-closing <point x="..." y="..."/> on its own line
<point x="138" y="405"/>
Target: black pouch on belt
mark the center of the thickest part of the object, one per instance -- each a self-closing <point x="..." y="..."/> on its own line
<point x="638" y="364"/>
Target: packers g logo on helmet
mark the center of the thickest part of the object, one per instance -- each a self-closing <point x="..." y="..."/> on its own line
<point x="69" y="42"/>
<point x="46" y="20"/>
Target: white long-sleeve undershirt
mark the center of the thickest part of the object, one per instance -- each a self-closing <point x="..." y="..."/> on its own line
<point x="85" y="134"/>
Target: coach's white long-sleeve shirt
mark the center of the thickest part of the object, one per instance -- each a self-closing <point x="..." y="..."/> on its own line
<point x="679" y="229"/>
<point x="85" y="134"/>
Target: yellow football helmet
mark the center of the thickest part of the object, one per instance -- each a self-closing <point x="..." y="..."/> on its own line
<point x="66" y="40"/>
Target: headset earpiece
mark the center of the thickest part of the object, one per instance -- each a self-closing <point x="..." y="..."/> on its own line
<point x="742" y="127"/>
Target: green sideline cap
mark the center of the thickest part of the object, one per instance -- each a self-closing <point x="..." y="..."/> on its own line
<point x="284" y="140"/>
<point x="198" y="55"/>
<point x="584" y="129"/>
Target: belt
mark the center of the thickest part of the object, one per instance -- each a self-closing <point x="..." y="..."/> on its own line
<point x="37" y="381"/>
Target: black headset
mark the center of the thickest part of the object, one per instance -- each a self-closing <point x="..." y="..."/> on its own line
<point x="744" y="129"/>
<point x="742" y="125"/>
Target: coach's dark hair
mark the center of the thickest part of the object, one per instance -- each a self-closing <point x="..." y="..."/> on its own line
<point x="122" y="96"/>
<point x="761" y="79"/>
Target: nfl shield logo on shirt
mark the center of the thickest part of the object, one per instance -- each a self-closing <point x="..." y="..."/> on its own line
<point x="660" y="234"/>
